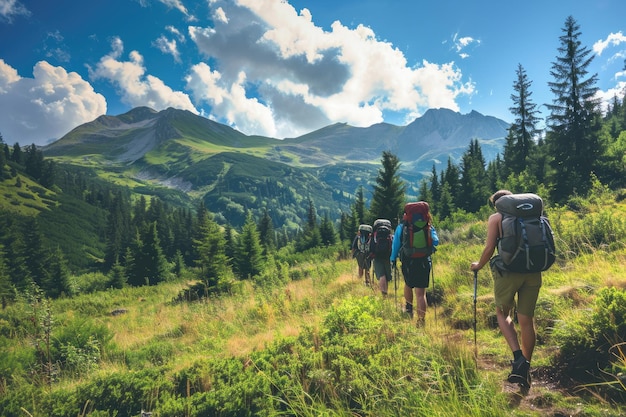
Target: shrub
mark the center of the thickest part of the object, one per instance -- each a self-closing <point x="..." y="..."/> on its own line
<point x="589" y="342"/>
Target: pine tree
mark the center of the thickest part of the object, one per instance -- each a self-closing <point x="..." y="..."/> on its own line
<point x="146" y="264"/>
<point x="573" y="122"/>
<point x="435" y="187"/>
<point x="327" y="231"/>
<point x="452" y="177"/>
<point x="473" y="191"/>
<point x="211" y="248"/>
<point x="249" y="256"/>
<point x="359" y="204"/>
<point x="34" y="252"/>
<point x="523" y="130"/>
<point x="117" y="232"/>
<point x="7" y="291"/>
<point x="117" y="276"/>
<point x="266" y="233"/>
<point x="57" y="282"/>
<point x="389" y="190"/>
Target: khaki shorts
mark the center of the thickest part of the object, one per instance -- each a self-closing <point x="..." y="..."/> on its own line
<point x="507" y="284"/>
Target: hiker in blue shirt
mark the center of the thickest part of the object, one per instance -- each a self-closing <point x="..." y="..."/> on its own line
<point x="416" y="273"/>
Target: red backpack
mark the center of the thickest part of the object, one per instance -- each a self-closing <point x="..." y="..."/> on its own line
<point x="417" y="241"/>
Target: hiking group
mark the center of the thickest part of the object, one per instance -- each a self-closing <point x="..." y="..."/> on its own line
<point x="413" y="241"/>
<point x="525" y="247"/>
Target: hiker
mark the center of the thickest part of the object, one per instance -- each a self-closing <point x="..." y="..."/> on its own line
<point x="506" y="285"/>
<point x="380" y="250"/>
<point x="416" y="264"/>
<point x="360" y="251"/>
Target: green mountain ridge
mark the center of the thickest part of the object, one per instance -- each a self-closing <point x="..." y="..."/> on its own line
<point x="196" y="158"/>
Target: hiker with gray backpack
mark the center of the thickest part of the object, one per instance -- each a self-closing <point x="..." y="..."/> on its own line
<point x="414" y="242"/>
<point x="380" y="251"/>
<point x="360" y="251"/>
<point x="525" y="243"/>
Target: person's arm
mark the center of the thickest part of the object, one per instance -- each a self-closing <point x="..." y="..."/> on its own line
<point x="434" y="236"/>
<point x="395" y="244"/>
<point x="493" y="231"/>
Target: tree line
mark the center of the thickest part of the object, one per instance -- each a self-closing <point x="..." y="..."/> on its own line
<point x="581" y="141"/>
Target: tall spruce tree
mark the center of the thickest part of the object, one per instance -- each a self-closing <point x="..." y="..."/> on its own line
<point x="523" y="131"/>
<point x="211" y="248"/>
<point x="266" y="233"/>
<point x="327" y="231"/>
<point x="473" y="191"/>
<point x="389" y="190"/>
<point x="573" y="123"/>
<point x="7" y="291"/>
<point x="359" y="204"/>
<point x="249" y="257"/>
<point x="57" y="281"/>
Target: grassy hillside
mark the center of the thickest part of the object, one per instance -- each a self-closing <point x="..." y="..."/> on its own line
<point x="312" y="340"/>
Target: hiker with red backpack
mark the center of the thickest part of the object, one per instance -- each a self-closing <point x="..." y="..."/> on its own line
<point x="415" y="239"/>
<point x="525" y="244"/>
<point x="380" y="251"/>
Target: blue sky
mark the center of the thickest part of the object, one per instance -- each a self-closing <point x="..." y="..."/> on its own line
<point x="285" y="68"/>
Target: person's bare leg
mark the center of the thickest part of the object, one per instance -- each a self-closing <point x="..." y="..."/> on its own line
<point x="408" y="294"/>
<point x="529" y="337"/>
<point x="420" y="295"/>
<point x="382" y="284"/>
<point x="507" y="327"/>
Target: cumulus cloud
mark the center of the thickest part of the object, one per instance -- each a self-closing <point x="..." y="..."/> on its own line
<point x="135" y="87"/>
<point x="304" y="77"/>
<point x="230" y="101"/>
<point x="9" y="9"/>
<point x="614" y="39"/>
<point x="46" y="106"/>
<point x="168" y="46"/>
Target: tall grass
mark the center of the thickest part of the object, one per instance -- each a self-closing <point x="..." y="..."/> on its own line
<point x="311" y="339"/>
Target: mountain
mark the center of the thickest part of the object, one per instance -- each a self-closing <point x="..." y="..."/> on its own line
<point x="182" y="157"/>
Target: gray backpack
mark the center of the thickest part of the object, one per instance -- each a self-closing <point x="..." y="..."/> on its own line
<point x="527" y="241"/>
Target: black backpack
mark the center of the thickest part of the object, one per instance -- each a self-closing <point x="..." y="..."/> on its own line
<point x="527" y="241"/>
<point x="380" y="242"/>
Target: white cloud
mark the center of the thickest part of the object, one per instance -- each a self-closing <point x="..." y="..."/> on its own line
<point x="46" y="106"/>
<point x="607" y="97"/>
<point x="176" y="4"/>
<point x="463" y="43"/>
<point x="229" y="101"/>
<point x="168" y="46"/>
<point x="614" y="39"/>
<point x="179" y="36"/>
<point x="135" y="87"/>
<point x="10" y="9"/>
<point x="306" y="77"/>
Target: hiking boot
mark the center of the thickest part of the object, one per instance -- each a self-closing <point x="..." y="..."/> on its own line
<point x="408" y="310"/>
<point x="420" y="323"/>
<point x="520" y="372"/>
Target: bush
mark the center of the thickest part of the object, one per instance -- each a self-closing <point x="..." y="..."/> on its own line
<point x="589" y="342"/>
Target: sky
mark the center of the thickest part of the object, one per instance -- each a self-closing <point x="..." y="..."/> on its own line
<point x="284" y="68"/>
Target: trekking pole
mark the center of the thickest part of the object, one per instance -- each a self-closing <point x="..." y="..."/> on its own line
<point x="475" y="288"/>
<point x="395" y="284"/>
<point x="432" y="272"/>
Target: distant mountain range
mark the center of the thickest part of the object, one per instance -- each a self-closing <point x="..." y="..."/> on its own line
<point x="195" y="157"/>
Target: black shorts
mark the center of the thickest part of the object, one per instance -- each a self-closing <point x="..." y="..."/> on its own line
<point x="416" y="272"/>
